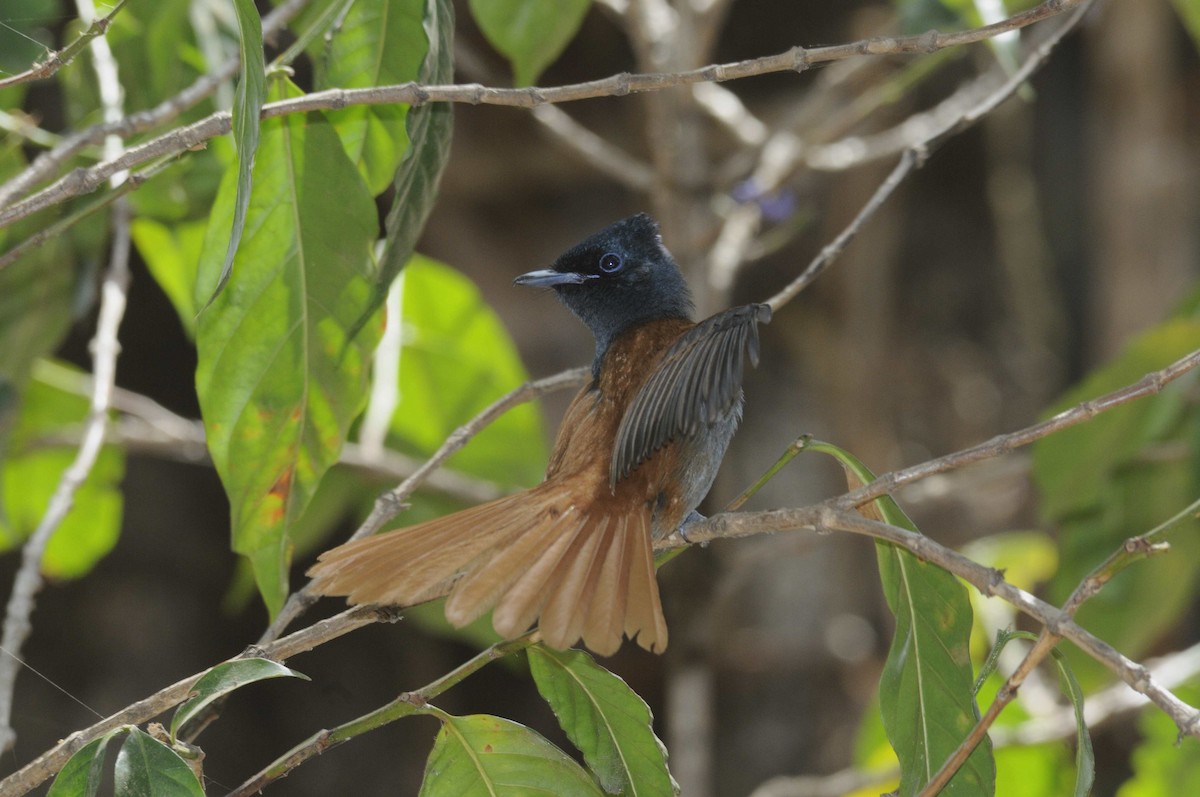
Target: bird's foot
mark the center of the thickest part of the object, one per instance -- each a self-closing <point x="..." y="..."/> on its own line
<point x="690" y="521"/>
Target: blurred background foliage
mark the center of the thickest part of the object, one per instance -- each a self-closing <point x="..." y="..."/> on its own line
<point x="1046" y="256"/>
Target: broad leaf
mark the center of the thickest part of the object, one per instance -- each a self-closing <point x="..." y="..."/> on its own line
<point x="83" y="773"/>
<point x="223" y="679"/>
<point x="493" y="757"/>
<point x="605" y="719"/>
<point x="378" y="43"/>
<point x="530" y="33"/>
<point x="247" y="105"/>
<point x="34" y="468"/>
<point x="148" y="768"/>
<point x="279" y="378"/>
<point x="926" y="692"/>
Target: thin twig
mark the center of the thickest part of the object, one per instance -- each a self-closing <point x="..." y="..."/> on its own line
<point x="48" y="162"/>
<point x="105" y="348"/>
<point x="915" y="156"/>
<point x="1132" y="550"/>
<point x="796" y="59"/>
<point x="405" y="705"/>
<point x="57" y="59"/>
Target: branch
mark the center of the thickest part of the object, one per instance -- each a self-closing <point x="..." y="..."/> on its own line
<point x="57" y="59"/>
<point x="50" y="762"/>
<point x="1133" y="549"/>
<point x="46" y="163"/>
<point x="796" y="59"/>
<point x="737" y="231"/>
<point x="405" y="705"/>
<point x="105" y="348"/>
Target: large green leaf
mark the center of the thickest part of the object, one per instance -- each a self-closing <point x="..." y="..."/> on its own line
<point x="378" y="43"/>
<point x="34" y="468"/>
<point x="148" y="768"/>
<point x="279" y="379"/>
<point x="456" y="359"/>
<point x="926" y="691"/>
<point x="1101" y="483"/>
<point x="493" y="757"/>
<point x="605" y="719"/>
<point x="530" y="33"/>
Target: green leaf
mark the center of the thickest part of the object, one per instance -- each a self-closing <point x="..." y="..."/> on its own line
<point x="493" y="757"/>
<point x="530" y="33"/>
<point x="223" y="679"/>
<point x="247" y="106"/>
<point x="378" y="43"/>
<point x="34" y="468"/>
<point x="1163" y="764"/>
<point x="926" y="692"/>
<point x="148" y="768"/>
<point x="83" y="773"/>
<point x="1189" y="12"/>
<point x="457" y="358"/>
<point x="416" y="184"/>
<point x="278" y="378"/>
<point x="605" y="719"/>
<point x="1041" y="770"/>
<point x="172" y="254"/>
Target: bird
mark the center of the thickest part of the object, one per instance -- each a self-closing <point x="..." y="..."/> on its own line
<point x="637" y="451"/>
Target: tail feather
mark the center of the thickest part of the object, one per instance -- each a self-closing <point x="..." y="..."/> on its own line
<point x="643" y="617"/>
<point x="479" y="590"/>
<point x="606" y="612"/>
<point x="522" y="604"/>
<point x="563" y="618"/>
<point x="534" y="556"/>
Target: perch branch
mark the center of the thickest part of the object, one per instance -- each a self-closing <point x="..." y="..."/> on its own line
<point x="57" y="59"/>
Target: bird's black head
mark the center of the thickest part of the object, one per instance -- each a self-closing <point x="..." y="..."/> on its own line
<point x="618" y="278"/>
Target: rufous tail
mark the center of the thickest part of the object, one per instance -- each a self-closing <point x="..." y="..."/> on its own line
<point x="533" y="556"/>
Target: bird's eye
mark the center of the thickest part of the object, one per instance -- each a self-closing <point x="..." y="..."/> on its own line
<point x="610" y="262"/>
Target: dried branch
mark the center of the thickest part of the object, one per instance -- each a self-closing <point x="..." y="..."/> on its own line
<point x="83" y="181"/>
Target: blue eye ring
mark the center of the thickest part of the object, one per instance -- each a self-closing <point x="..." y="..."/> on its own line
<point x="611" y="262"/>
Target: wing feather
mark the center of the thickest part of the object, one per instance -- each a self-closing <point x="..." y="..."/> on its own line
<point x="698" y="381"/>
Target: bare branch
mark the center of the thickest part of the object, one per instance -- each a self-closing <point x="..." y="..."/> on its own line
<point x="58" y="59"/>
<point x="796" y="59"/>
<point x="48" y="162"/>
